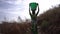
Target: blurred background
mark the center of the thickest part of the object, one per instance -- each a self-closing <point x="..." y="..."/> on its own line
<point x="11" y="9"/>
<point x="15" y="18"/>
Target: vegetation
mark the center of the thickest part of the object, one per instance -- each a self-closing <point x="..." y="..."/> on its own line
<point x="48" y="22"/>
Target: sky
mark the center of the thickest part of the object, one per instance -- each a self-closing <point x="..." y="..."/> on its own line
<point x="11" y="9"/>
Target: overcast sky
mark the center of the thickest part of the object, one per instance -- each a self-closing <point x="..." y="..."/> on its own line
<point x="11" y="9"/>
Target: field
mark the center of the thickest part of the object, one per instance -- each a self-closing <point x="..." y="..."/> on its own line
<point x="48" y="23"/>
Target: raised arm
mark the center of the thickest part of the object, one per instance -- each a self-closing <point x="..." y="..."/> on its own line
<point x="37" y="11"/>
<point x="30" y="12"/>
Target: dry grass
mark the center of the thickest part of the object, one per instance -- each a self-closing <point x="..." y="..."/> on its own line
<point x="48" y="22"/>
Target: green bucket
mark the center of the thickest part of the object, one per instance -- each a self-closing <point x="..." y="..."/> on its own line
<point x="33" y="5"/>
